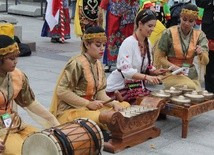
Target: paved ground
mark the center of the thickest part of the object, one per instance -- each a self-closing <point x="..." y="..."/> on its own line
<point x="44" y="66"/>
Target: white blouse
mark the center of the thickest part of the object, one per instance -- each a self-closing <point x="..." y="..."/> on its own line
<point x="129" y="61"/>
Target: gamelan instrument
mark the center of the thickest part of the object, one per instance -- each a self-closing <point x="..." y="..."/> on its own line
<point x="82" y="136"/>
<point x="132" y="125"/>
<point x="185" y="105"/>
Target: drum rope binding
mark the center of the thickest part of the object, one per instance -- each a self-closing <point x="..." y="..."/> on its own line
<point x="93" y="135"/>
<point x="64" y="141"/>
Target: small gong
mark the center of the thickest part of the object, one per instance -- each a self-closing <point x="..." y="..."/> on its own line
<point x="180" y="100"/>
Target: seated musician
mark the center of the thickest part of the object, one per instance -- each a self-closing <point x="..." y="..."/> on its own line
<point x="80" y="91"/>
<point x="134" y="62"/>
<point x="179" y="45"/>
<point x="15" y="90"/>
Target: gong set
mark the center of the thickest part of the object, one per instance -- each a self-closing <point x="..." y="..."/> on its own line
<point x="135" y="110"/>
<point x="183" y="95"/>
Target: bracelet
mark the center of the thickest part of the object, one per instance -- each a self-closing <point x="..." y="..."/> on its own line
<point x="144" y="77"/>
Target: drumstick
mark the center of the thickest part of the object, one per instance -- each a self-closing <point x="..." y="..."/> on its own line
<point x="173" y="73"/>
<point x="118" y="96"/>
<point x="110" y="100"/>
<point x="8" y="130"/>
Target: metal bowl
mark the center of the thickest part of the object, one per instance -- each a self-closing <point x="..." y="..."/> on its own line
<point x="173" y="91"/>
<point x="184" y="89"/>
<point x="207" y="95"/>
<point x="181" y="100"/>
<point x="161" y="94"/>
<point x="195" y="97"/>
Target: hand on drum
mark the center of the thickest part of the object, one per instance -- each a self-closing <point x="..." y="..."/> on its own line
<point x="95" y="105"/>
<point x="2" y="146"/>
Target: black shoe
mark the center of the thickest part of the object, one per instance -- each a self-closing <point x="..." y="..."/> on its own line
<point x="106" y="135"/>
<point x="54" y="40"/>
<point x="107" y="69"/>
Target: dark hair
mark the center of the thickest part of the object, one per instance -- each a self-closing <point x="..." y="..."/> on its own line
<point x="190" y="6"/>
<point x="145" y="16"/>
<point x="5" y="41"/>
<point x="94" y="29"/>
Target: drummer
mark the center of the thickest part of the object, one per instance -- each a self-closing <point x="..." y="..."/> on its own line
<point x="179" y="45"/>
<point x="15" y="90"/>
<point x="80" y="90"/>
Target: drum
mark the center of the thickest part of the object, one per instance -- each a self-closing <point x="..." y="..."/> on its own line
<point x="82" y="136"/>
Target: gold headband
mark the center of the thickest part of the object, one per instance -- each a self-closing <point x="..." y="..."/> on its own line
<point x="9" y="50"/>
<point x="191" y="13"/>
<point x="94" y="36"/>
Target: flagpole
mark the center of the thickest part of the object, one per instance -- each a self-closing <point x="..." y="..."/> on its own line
<point x="62" y="22"/>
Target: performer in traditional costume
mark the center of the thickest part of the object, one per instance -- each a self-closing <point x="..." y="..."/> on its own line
<point x="86" y="15"/>
<point x="178" y="46"/>
<point x="15" y="90"/>
<point x="119" y="24"/>
<point x="57" y="21"/>
<point x="134" y="62"/>
<point x="80" y="90"/>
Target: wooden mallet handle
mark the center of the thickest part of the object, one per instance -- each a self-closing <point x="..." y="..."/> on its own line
<point x="8" y="130"/>
<point x="118" y="97"/>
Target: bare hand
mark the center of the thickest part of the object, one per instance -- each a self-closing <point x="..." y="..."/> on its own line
<point x="160" y="71"/>
<point x="95" y="105"/>
<point x="153" y="79"/>
<point x="198" y="50"/>
<point x="117" y="106"/>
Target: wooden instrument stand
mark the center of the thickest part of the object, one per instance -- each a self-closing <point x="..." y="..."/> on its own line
<point x="127" y="132"/>
<point x="186" y="112"/>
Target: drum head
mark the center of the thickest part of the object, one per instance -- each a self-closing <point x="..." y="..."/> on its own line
<point x="41" y="144"/>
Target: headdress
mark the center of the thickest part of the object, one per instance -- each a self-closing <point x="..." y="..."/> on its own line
<point x="100" y="36"/>
<point x="8" y="47"/>
<point x="192" y="14"/>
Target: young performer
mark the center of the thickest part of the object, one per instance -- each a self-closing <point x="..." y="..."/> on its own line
<point x="80" y="90"/>
<point x="134" y="62"/>
<point x="15" y="90"/>
<point x="177" y="47"/>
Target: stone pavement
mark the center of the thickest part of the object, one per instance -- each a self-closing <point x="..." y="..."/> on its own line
<point x="44" y="66"/>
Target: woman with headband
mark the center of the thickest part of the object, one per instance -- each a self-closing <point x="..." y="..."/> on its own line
<point x="80" y="90"/>
<point x="177" y="47"/>
<point x="15" y="90"/>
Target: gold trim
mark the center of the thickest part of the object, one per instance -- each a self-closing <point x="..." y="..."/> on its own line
<point x="9" y="49"/>
<point x="191" y="13"/>
<point x="94" y="36"/>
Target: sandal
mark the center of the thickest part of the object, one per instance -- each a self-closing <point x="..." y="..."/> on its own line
<point x="107" y="69"/>
<point x="54" y="40"/>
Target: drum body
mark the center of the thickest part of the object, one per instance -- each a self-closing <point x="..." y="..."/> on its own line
<point x="82" y="136"/>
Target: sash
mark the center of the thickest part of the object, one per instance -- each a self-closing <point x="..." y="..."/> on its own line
<point x="90" y="88"/>
<point x="180" y="57"/>
<point x="16" y="84"/>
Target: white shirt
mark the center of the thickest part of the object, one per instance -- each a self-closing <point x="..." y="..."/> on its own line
<point x="129" y="61"/>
